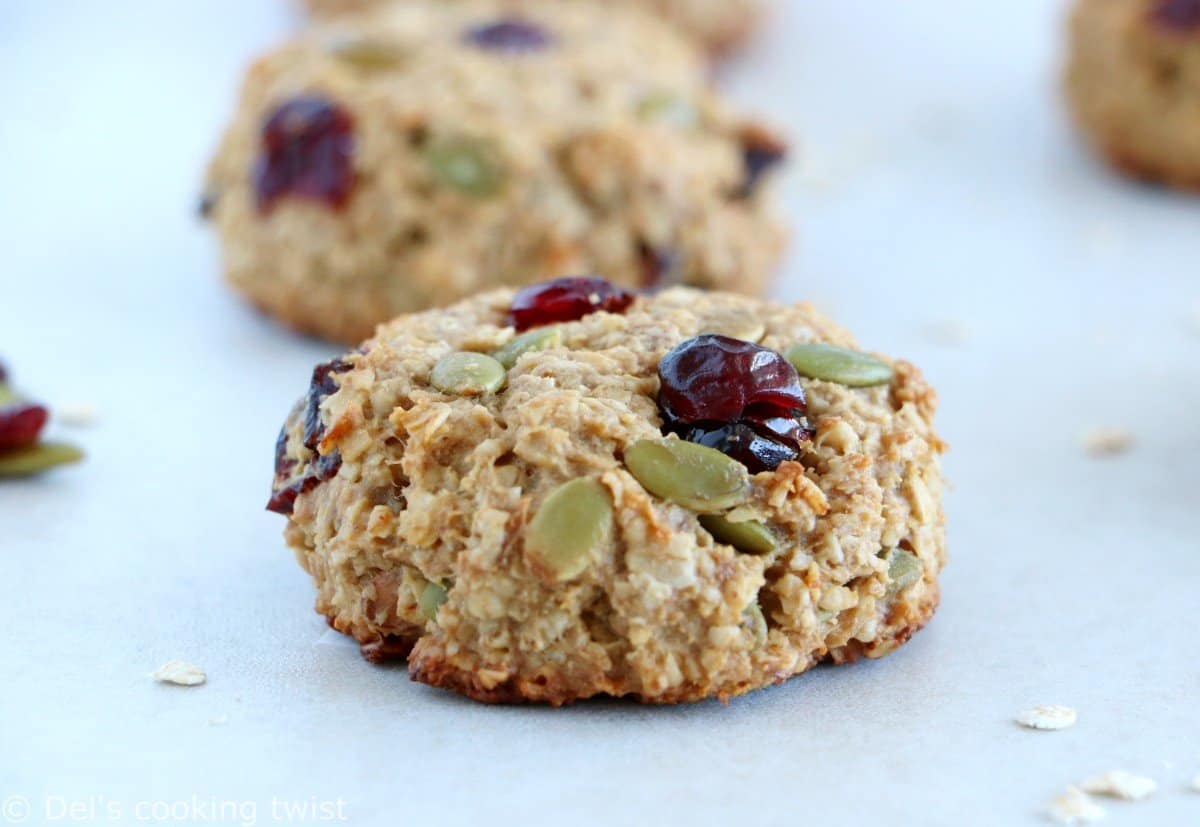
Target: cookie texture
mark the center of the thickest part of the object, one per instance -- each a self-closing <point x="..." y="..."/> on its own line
<point x="506" y="541"/>
<point x="720" y="26"/>
<point x="403" y="160"/>
<point x="1133" y="84"/>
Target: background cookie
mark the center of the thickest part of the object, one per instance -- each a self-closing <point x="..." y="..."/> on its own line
<point x="1133" y="81"/>
<point x="391" y="163"/>
<point x="526" y="533"/>
<point x="720" y="25"/>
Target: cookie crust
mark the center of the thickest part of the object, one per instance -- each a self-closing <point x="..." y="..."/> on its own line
<point x="435" y="488"/>
<point x="599" y="163"/>
<point x="1133" y="86"/>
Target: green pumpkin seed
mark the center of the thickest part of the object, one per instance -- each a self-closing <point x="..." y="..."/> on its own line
<point x="7" y="394"/>
<point x="431" y="599"/>
<point x="837" y="364"/>
<point x="666" y="107"/>
<point x="904" y="569"/>
<point x="750" y="536"/>
<point x="467" y="374"/>
<point x="702" y="479"/>
<point x="470" y="165"/>
<point x="540" y="339"/>
<point x="754" y="619"/>
<point x="570" y="525"/>
<point x="25" y="462"/>
<point x="368" y="54"/>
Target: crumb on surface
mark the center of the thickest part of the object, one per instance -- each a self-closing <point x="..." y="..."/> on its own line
<point x="1048" y="717"/>
<point x="180" y="673"/>
<point x="1075" y="807"/>
<point x="1121" y="784"/>
<point x="1106" y="441"/>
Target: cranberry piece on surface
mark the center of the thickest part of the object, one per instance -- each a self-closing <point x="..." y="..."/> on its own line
<point x="741" y="442"/>
<point x="283" y="498"/>
<point x="323" y="384"/>
<point x="761" y="151"/>
<point x="307" y="152"/>
<point x="511" y="36"/>
<point x="716" y="378"/>
<point x="1178" y="14"/>
<point x="20" y="425"/>
<point x="565" y="300"/>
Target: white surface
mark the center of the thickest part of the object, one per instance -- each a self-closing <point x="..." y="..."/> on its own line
<point x="942" y="187"/>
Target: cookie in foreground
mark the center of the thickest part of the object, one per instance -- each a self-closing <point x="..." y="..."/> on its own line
<point x="721" y="26"/>
<point x="404" y="160"/>
<point x="569" y="490"/>
<point x="1133" y="85"/>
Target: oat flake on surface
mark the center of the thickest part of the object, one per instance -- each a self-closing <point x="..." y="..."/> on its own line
<point x="1121" y="784"/>
<point x="1075" y="807"/>
<point x="180" y="673"/>
<point x="1048" y="717"/>
<point x="1107" y="442"/>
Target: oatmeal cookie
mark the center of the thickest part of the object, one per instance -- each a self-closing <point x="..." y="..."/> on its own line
<point x="571" y="491"/>
<point x="387" y="164"/>
<point x="1133" y="83"/>
<point x="719" y="25"/>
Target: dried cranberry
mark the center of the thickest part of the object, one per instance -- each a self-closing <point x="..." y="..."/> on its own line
<point x="512" y="36"/>
<point x="307" y="152"/>
<point x="283" y="498"/>
<point x="737" y="397"/>
<point x="565" y="300"/>
<point x="323" y="384"/>
<point x="761" y="151"/>
<point x="659" y="267"/>
<point x="1178" y="14"/>
<point x="715" y="378"/>
<point x="20" y="425"/>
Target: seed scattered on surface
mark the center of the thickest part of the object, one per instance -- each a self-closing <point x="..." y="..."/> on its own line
<point x="77" y="416"/>
<point x="1048" y="717"/>
<point x="750" y="536"/>
<point x="904" y="569"/>
<point x="180" y="673"/>
<point x="431" y="599"/>
<point x="702" y="479"/>
<point x="754" y="619"/>
<point x="368" y="53"/>
<point x="25" y="462"/>
<point x="540" y="339"/>
<point x="571" y="524"/>
<point x="1120" y="784"/>
<point x="837" y="364"/>
<point x="467" y="374"/>
<point x="468" y="164"/>
<point x="1107" y="441"/>
<point x="1075" y="807"/>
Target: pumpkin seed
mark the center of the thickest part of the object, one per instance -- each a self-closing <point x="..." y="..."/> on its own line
<point x="25" y="462"/>
<point x="470" y="165"/>
<point x="7" y="394"/>
<point x="750" y="536"/>
<point x="754" y="619"/>
<point x="369" y="54"/>
<point x="666" y="107"/>
<point x="570" y="525"/>
<point x="431" y="599"/>
<point x="904" y="569"/>
<point x="837" y="364"/>
<point x="694" y="476"/>
<point x="540" y="339"/>
<point x="467" y="374"/>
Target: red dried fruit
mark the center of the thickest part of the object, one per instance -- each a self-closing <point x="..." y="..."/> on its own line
<point x="1178" y="14"/>
<point x="511" y="36"/>
<point x="716" y="378"/>
<point x="283" y="498"/>
<point x="737" y="397"/>
<point x="761" y="151"/>
<point x="566" y="300"/>
<point x="20" y="425"/>
<point x="307" y="152"/>
<point x="659" y="267"/>
<point x="324" y="383"/>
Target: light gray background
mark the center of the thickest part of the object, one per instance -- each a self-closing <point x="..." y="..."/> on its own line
<point x="938" y="186"/>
